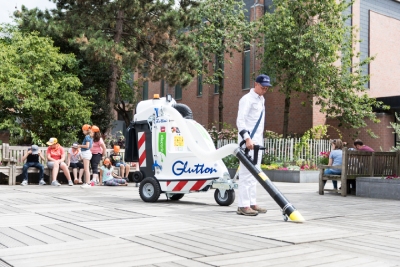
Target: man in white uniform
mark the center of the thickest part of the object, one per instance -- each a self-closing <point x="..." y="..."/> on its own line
<point x="251" y="112"/>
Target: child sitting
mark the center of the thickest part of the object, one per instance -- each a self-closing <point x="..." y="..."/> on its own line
<point x="107" y="175"/>
<point x="116" y="161"/>
<point x="74" y="157"/>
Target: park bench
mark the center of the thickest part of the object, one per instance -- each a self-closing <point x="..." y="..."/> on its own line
<point x="360" y="164"/>
<point x="13" y="165"/>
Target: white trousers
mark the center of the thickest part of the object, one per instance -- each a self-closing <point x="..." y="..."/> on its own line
<point x="248" y="184"/>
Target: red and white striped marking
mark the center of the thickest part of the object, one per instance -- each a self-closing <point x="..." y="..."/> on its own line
<point x="142" y="149"/>
<point x="186" y="185"/>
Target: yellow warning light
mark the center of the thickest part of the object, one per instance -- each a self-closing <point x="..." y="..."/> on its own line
<point x="156" y="96"/>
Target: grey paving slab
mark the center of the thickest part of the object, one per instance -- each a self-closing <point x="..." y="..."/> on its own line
<point x="187" y="263"/>
<point x="141" y="226"/>
<point x="8" y="209"/>
<point x="164" y="245"/>
<point x="9" y="242"/>
<point x="42" y="236"/>
<point x="4" y="264"/>
<point x="106" y="226"/>
<point x="20" y="237"/>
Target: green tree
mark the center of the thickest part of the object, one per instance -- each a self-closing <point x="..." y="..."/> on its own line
<point x="125" y="35"/>
<point x="304" y="40"/>
<point x="39" y="89"/>
<point x="93" y="74"/>
<point x="218" y="28"/>
<point x="396" y="127"/>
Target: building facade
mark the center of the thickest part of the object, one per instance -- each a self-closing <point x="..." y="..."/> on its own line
<point x="379" y="23"/>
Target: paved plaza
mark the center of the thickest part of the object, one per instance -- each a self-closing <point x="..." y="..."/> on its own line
<point x="111" y="226"/>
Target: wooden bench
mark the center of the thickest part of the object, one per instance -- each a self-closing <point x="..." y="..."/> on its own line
<point x="360" y="164"/>
<point x="11" y="156"/>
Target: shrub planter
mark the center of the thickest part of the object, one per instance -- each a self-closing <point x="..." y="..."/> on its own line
<point x="376" y="187"/>
<point x="293" y="176"/>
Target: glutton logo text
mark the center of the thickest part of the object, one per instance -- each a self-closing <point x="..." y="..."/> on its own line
<point x="180" y="167"/>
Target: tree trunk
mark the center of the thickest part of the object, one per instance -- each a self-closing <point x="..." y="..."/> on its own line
<point x="220" y="103"/>
<point x="122" y="109"/>
<point x="286" y="116"/>
<point x="115" y="69"/>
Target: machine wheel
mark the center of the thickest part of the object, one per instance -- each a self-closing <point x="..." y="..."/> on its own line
<point x="149" y="189"/>
<point x="227" y="199"/>
<point x="137" y="176"/>
<point x="176" y="196"/>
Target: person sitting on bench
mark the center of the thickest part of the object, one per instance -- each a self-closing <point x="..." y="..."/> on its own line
<point x="335" y="159"/>
<point x="116" y="160"/>
<point x="32" y="160"/>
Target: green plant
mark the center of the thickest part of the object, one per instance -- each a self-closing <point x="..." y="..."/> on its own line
<point x="231" y="162"/>
<point x="396" y="127"/>
<point x="272" y="135"/>
<point x="115" y="139"/>
<point x="268" y="158"/>
<point x="228" y="132"/>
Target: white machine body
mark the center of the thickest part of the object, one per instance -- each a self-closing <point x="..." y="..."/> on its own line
<point x="175" y="166"/>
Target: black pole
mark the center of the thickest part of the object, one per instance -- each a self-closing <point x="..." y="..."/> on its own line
<point x="263" y="179"/>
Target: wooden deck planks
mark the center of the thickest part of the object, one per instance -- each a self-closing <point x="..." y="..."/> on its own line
<point x="108" y="226"/>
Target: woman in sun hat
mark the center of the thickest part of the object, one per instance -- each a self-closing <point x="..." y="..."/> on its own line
<point x="55" y="161"/>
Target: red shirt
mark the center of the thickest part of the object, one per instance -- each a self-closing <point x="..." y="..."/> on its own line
<point x="56" y="153"/>
<point x="365" y="148"/>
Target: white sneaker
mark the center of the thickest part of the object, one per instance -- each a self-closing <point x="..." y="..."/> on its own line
<point x="70" y="183"/>
<point x="85" y="185"/>
<point x="24" y="182"/>
<point x="55" y="183"/>
<point x="42" y="182"/>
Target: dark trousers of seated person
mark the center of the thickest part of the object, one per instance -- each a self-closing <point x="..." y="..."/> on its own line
<point x="334" y="172"/>
<point x="36" y="165"/>
<point x="77" y="165"/>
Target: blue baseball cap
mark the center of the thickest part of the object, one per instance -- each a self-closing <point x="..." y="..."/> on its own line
<point x="264" y="80"/>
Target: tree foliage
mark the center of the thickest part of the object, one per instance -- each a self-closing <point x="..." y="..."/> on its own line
<point x="304" y="40"/>
<point x="218" y="28"/>
<point x="130" y="35"/>
<point x="396" y="127"/>
<point x="92" y="74"/>
<point x="119" y="37"/>
<point x="39" y="95"/>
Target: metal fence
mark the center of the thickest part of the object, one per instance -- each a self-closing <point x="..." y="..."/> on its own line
<point x="284" y="149"/>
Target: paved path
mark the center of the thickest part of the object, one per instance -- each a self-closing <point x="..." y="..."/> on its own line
<point x="111" y="226"/>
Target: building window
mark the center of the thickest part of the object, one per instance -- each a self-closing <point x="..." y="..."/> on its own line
<point x="246" y="68"/>
<point x="178" y="92"/>
<point x="200" y="85"/>
<point x="162" y="89"/>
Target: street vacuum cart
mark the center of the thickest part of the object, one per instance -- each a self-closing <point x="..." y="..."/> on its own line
<point x="166" y="163"/>
<point x="176" y="156"/>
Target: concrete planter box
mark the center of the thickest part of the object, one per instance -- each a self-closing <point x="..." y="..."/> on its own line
<point x="293" y="176"/>
<point x="376" y="187"/>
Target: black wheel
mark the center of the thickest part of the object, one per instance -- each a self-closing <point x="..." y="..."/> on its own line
<point x="149" y="189"/>
<point x="137" y="177"/>
<point x="227" y="199"/>
<point x="176" y="196"/>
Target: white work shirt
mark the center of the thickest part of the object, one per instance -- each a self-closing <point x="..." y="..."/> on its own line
<point x="250" y="107"/>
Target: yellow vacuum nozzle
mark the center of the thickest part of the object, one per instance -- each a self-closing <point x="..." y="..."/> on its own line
<point x="295" y="216"/>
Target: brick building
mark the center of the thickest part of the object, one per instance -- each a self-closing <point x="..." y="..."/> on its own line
<point x="379" y="23"/>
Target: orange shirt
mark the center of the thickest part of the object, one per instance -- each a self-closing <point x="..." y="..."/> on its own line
<point x="56" y="153"/>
